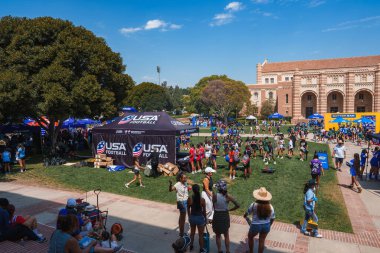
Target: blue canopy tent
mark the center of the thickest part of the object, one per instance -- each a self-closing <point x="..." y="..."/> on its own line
<point x="275" y="115"/>
<point x="73" y="123"/>
<point x="339" y="120"/>
<point x="128" y="109"/>
<point x="364" y="120"/>
<point x="316" y="116"/>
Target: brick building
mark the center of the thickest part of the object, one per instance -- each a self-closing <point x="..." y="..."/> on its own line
<point x="301" y="88"/>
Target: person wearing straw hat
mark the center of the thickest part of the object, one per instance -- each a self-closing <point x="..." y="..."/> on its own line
<point x="309" y="207"/>
<point x="221" y="220"/>
<point x="262" y="218"/>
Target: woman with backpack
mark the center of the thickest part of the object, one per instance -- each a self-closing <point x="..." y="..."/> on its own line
<point x="316" y="169"/>
<point x="354" y="171"/>
<point x="196" y="209"/>
<point x="221" y="221"/>
<point x="262" y="218"/>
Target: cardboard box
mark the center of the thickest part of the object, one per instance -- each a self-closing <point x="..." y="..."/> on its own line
<point x="109" y="159"/>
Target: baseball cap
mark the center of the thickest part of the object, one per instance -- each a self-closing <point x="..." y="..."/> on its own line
<point x="71" y="203"/>
<point x="209" y="170"/>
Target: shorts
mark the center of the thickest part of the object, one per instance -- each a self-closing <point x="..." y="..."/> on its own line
<point x="259" y="228"/>
<point x="197" y="220"/>
<point x="182" y="206"/>
<point x="314" y="176"/>
<point x="137" y="172"/>
<point x="338" y="160"/>
<point x="353" y="172"/>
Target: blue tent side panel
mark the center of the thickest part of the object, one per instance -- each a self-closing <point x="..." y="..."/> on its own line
<point x="324" y="158"/>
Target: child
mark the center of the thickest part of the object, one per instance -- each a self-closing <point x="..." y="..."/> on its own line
<point x="6" y="156"/>
<point x="309" y="206"/>
<point x="363" y="160"/>
<point x="247" y="164"/>
<point x="136" y="171"/>
<point x="290" y="148"/>
<point x="109" y="241"/>
<point x="281" y="147"/>
<point x="354" y="169"/>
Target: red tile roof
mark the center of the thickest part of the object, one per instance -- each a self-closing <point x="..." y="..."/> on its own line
<point x="352" y="62"/>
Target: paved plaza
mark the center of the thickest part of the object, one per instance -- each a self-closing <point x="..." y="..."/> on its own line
<point x="152" y="227"/>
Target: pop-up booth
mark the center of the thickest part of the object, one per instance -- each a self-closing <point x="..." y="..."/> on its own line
<point x="139" y="133"/>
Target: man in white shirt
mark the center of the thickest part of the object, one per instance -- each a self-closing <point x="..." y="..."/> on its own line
<point x="339" y="153"/>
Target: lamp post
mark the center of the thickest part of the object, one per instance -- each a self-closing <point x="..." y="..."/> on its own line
<point x="159" y="77"/>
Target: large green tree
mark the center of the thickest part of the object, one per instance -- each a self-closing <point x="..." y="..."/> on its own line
<point x="267" y="108"/>
<point x="49" y="67"/>
<point x="223" y="97"/>
<point x="149" y="97"/>
<point x="196" y="104"/>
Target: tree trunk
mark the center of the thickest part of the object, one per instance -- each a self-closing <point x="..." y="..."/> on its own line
<point x="53" y="132"/>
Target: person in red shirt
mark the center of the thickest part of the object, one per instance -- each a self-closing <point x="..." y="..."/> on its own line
<point x="232" y="161"/>
<point x="192" y="158"/>
<point x="198" y="157"/>
<point x="202" y="154"/>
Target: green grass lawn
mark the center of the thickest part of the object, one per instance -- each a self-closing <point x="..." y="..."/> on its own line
<point x="286" y="186"/>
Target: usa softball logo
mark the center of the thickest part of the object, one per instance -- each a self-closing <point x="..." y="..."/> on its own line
<point x="101" y="148"/>
<point x="138" y="149"/>
<point x="126" y="119"/>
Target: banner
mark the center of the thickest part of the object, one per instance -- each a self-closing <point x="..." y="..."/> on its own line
<point x="324" y="158"/>
<point x="121" y="147"/>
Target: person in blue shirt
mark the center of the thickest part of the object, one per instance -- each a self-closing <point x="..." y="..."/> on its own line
<point x="309" y="206"/>
<point x="374" y="172"/>
<point x="20" y="157"/>
<point x="354" y="171"/>
<point x="363" y="161"/>
<point x="6" y="157"/>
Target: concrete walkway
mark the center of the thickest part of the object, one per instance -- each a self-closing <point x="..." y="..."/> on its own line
<point x="152" y="227"/>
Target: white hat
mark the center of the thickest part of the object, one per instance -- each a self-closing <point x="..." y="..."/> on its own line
<point x="209" y="170"/>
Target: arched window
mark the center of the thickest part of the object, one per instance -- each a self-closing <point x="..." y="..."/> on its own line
<point x="256" y="95"/>
<point x="270" y="95"/>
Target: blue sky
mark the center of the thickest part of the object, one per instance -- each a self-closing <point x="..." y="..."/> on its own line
<point x="191" y="39"/>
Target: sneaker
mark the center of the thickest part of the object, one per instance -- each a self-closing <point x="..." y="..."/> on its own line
<point x="359" y="189"/>
<point x="266" y="163"/>
<point x="282" y="157"/>
<point x="307" y="233"/>
<point x="202" y="251"/>
<point x="199" y="171"/>
<point x="117" y="248"/>
<point x="126" y="185"/>
<point x="42" y="240"/>
<point x="318" y="236"/>
<point x="274" y="162"/>
<point x="233" y="178"/>
<point x="142" y="186"/>
<point x="193" y="172"/>
<point x="301" y="159"/>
